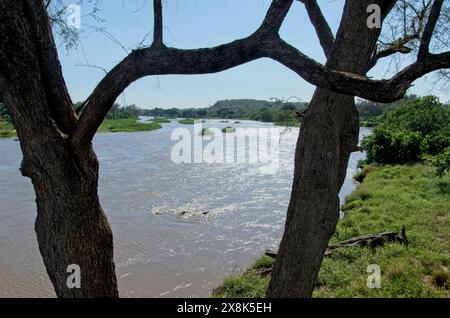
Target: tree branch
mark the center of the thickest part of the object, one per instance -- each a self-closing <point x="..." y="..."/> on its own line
<point x="265" y="42"/>
<point x="319" y="22"/>
<point x="351" y="84"/>
<point x="275" y="16"/>
<point x="58" y="99"/>
<point x="429" y="29"/>
<point x="159" y="60"/>
<point x="399" y="45"/>
<point x="158" y="23"/>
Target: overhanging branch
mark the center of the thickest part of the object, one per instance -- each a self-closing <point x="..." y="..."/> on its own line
<point x="346" y="83"/>
<point x="320" y="24"/>
<point x="265" y="42"/>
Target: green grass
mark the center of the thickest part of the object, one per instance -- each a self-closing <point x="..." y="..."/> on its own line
<point x="388" y="198"/>
<point x="126" y="125"/>
<point x="252" y="284"/>
<point x="7" y="130"/>
<point x="186" y="121"/>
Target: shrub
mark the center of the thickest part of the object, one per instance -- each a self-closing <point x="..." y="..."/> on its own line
<point x="421" y="126"/>
<point x="390" y="146"/>
<point x="438" y="142"/>
<point x="361" y="175"/>
<point x="442" y="162"/>
<point x="425" y="115"/>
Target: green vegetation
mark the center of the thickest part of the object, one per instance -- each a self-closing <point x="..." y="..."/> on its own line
<point x="187" y="121"/>
<point x="126" y="125"/>
<point x="442" y="162"/>
<point x="371" y="113"/>
<point x="229" y="129"/>
<point x="389" y="197"/>
<point x="160" y="120"/>
<point x="282" y="113"/>
<point x="6" y="128"/>
<point x="413" y="131"/>
<point x="368" y="124"/>
<point x="243" y="109"/>
<point x="252" y="284"/>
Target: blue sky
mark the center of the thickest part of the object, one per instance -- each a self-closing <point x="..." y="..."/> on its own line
<point x="194" y="24"/>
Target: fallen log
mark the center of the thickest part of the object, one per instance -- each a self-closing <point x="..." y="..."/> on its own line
<point x="371" y="240"/>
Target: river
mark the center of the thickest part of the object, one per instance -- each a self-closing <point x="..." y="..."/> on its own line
<point x="179" y="229"/>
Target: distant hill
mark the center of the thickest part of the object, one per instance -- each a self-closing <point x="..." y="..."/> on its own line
<point x="253" y="104"/>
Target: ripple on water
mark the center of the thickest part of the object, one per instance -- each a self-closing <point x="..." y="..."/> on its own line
<point x="158" y="251"/>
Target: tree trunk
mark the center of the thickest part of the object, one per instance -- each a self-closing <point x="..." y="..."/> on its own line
<point x="328" y="135"/>
<point x="70" y="225"/>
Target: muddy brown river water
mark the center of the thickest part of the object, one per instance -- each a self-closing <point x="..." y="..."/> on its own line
<point x="179" y="229"/>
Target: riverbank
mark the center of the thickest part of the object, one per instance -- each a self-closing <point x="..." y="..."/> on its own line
<point x="388" y="198"/>
<point x="108" y="125"/>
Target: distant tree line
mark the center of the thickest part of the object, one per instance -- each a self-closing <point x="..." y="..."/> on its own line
<point x="277" y="111"/>
<point x="250" y="109"/>
<point x="120" y="112"/>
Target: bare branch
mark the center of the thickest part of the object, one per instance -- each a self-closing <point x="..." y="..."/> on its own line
<point x="400" y="45"/>
<point x="319" y="22"/>
<point x="93" y="66"/>
<point x="429" y="29"/>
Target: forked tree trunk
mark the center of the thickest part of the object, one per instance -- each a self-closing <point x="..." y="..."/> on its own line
<point x="70" y="225"/>
<point x="328" y="135"/>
